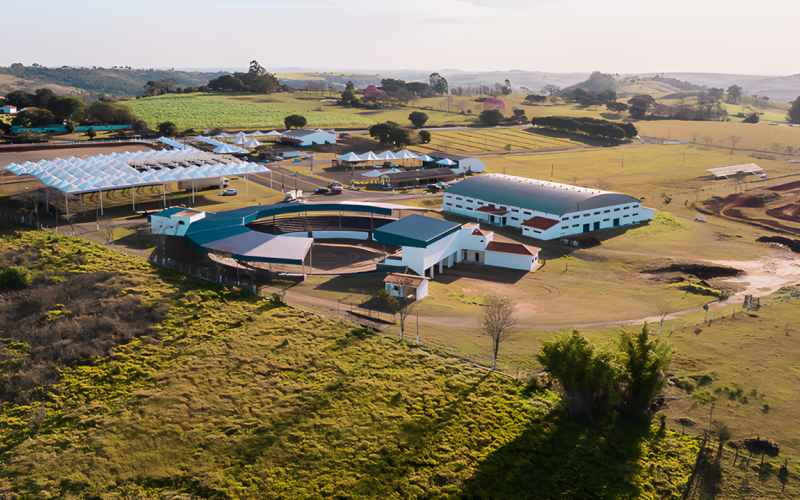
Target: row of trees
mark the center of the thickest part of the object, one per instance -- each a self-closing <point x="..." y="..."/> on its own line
<point x="257" y="81"/>
<point x="45" y="107"/>
<point x="592" y="127"/>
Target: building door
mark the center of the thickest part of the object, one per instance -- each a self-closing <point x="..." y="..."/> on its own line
<point x="586" y="228"/>
<point x="596" y="226"/>
<point x="503" y="223"/>
<point x="491" y="219"/>
<point x="616" y="222"/>
<point x="465" y="255"/>
<point x="477" y="257"/>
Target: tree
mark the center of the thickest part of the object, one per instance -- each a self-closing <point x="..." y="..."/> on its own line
<point x="20" y="99"/>
<point x="68" y="108"/>
<point x="739" y="179"/>
<point x="70" y="126"/>
<point x="734" y="94"/>
<point x="33" y="117"/>
<point x="752" y="118"/>
<point x="315" y="86"/>
<point x="350" y="86"/>
<point x="420" y="88"/>
<point x="583" y="371"/>
<point x="497" y="321"/>
<point x="91" y="133"/>
<point x="140" y="125"/>
<point x="418" y="118"/>
<point x="295" y="121"/>
<point x="399" y="137"/>
<point x="519" y="115"/>
<point x="258" y="80"/>
<point x="735" y="139"/>
<point x="643" y="363"/>
<point x="793" y="116"/>
<point x="402" y="306"/>
<point x="490" y="116"/>
<point x="617" y="107"/>
<point x="160" y="87"/>
<point x="347" y="97"/>
<point x="438" y="83"/>
<point x="425" y="136"/>
<point x="167" y="129"/>
<point x="112" y="113"/>
<point x="536" y="99"/>
<point x="43" y="97"/>
<point x="226" y="83"/>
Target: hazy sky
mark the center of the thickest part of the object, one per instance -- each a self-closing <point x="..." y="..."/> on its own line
<point x="621" y="36"/>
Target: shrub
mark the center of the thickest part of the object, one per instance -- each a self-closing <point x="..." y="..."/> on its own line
<point x="167" y="129"/>
<point x="15" y="278"/>
<point x="425" y="136"/>
<point x="490" y="116"/>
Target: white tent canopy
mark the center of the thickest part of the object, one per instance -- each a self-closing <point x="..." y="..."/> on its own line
<point x="251" y="143"/>
<point x="372" y="173"/>
<point x="351" y="157"/>
<point x="368" y="156"/>
<point x="386" y="155"/>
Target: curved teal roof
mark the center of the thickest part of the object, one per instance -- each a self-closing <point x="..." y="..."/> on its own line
<point x="226" y="231"/>
<point x="415" y="231"/>
<point x="532" y="194"/>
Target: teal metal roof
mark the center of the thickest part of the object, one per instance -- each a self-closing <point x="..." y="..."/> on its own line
<point x="415" y="231"/>
<point x="532" y="194"/>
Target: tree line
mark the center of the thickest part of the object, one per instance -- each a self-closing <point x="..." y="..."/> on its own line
<point x="593" y="127"/>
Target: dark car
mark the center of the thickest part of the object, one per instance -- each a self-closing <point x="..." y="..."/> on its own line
<point x="322" y="191"/>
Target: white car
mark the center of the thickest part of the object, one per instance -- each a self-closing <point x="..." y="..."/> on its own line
<point x="230" y="192"/>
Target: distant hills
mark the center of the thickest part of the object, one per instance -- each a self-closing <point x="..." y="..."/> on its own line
<point x="90" y="83"/>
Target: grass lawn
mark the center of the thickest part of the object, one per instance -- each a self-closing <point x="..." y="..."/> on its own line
<point x="232" y="397"/>
<point x="759" y="136"/>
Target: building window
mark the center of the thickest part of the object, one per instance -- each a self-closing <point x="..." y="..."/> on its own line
<point x="565" y="227"/>
<point x="459" y="206"/>
<point x="635" y="215"/>
<point x="586" y="215"/>
<point x="606" y="220"/>
<point x="480" y="203"/>
<point x="449" y="204"/>
<point x="469" y="201"/>
<point x="626" y="215"/>
<point x="527" y="213"/>
<point x="626" y="208"/>
<point x="565" y="218"/>
<point x="616" y="209"/>
<point x="459" y="199"/>
<point x="636" y="206"/>
<point x="575" y="216"/>
<point x="514" y="218"/>
<point x="514" y="210"/>
<point x="575" y="225"/>
<point x="537" y="232"/>
<point x="503" y="208"/>
<point x="470" y="208"/>
<point x="597" y="213"/>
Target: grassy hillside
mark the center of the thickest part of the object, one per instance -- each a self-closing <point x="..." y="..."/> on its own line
<point x="96" y="81"/>
<point x="230" y="397"/>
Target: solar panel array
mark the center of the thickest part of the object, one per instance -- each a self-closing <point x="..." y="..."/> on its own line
<point x="114" y="171"/>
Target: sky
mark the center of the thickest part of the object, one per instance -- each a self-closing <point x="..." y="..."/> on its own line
<point x="562" y="36"/>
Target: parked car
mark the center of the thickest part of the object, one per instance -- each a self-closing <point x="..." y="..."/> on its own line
<point x="337" y="189"/>
<point x="230" y="192"/>
<point x="322" y="191"/>
<point x="278" y="158"/>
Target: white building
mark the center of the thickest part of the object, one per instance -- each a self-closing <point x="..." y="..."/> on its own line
<point x="464" y="164"/>
<point x="406" y="286"/>
<point x="8" y="110"/>
<point x="305" y="137"/>
<point x="541" y="209"/>
<point x="174" y="221"/>
<point x="427" y="243"/>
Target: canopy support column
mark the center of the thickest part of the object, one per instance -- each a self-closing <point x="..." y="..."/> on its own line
<point x="66" y="199"/>
<point x="246" y="186"/>
<point x="47" y="198"/>
<point x="101" y="201"/>
<point x="164" y="194"/>
<point x="133" y="195"/>
<point x="192" y="191"/>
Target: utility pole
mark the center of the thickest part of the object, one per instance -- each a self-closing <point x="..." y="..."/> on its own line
<point x="623" y="165"/>
<point x="552" y="167"/>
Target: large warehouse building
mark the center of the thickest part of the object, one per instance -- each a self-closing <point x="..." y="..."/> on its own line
<point x="541" y="209"/>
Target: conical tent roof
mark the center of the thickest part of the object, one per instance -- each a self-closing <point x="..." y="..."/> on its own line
<point x="252" y="143"/>
<point x="425" y="158"/>
<point x="372" y="173"/>
<point x="406" y="155"/>
<point x="369" y="155"/>
<point x="446" y="161"/>
<point x="239" y="140"/>
<point x="349" y="157"/>
<point x="273" y="133"/>
<point x="386" y="155"/>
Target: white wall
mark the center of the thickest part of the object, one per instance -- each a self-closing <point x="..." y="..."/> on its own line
<point x="471" y="165"/>
<point x="509" y="260"/>
<point x="420" y="259"/>
<point x="171" y="226"/>
<point x="627" y="213"/>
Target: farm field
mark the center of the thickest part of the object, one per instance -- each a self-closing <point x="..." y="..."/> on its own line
<point x="235" y="112"/>
<point x="759" y="136"/>
<point x="480" y="140"/>
<point x="231" y="396"/>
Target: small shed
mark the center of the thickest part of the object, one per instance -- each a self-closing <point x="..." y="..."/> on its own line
<point x="414" y="178"/>
<point x="461" y="164"/>
<point x="512" y="255"/>
<point x="408" y="286"/>
<point x="8" y="109"/>
<point x="174" y="221"/>
<point x="305" y="137"/>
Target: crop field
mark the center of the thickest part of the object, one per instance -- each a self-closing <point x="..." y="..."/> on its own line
<point x="468" y="141"/>
<point x="231" y="396"/>
<point x="759" y="136"/>
<point x="233" y="111"/>
<point x="188" y="111"/>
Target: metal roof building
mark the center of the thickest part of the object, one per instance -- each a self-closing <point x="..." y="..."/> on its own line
<point x="415" y="231"/>
<point x="542" y="209"/>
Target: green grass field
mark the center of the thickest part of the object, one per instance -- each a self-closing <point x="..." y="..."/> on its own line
<point x="468" y="141"/>
<point x="233" y="397"/>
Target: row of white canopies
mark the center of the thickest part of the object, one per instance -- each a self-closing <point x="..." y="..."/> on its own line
<point x="109" y="172"/>
<point x="271" y="133"/>
<point x="388" y="155"/>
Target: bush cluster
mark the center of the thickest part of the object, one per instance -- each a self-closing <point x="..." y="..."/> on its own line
<point x="593" y="127"/>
